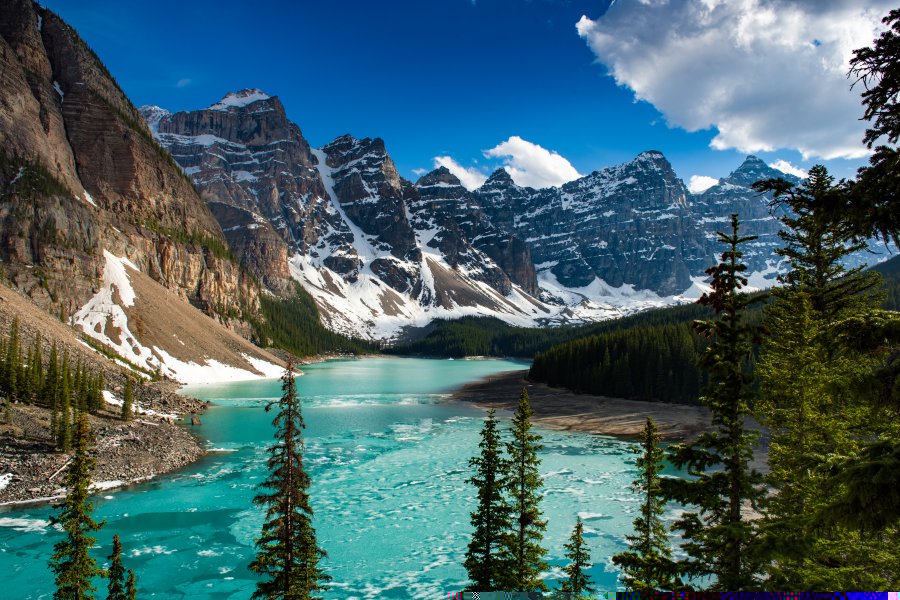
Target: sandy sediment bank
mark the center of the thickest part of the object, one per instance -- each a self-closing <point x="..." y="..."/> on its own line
<point x="559" y="408"/>
<point x="562" y="409"/>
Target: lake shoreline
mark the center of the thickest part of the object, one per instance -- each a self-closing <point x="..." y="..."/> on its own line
<point x="562" y="409"/>
<point x="155" y="442"/>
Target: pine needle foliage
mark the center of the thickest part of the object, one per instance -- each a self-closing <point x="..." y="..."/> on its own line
<point x="131" y="586"/>
<point x="820" y="403"/>
<point x="487" y="560"/>
<point x="524" y="545"/>
<point x="288" y="556"/>
<point x="71" y="562"/>
<point x="719" y="539"/>
<point x="116" y="573"/>
<point x="647" y="565"/>
<point x="577" y="583"/>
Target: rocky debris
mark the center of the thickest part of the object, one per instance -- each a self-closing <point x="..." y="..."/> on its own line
<point x="126" y="452"/>
<point x="149" y="445"/>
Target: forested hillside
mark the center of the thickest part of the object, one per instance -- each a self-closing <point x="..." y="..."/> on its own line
<point x="654" y="360"/>
<point x="478" y="336"/>
<point x="293" y="324"/>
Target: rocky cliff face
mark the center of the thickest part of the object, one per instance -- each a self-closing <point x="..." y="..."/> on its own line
<point x="81" y="173"/>
<point x="377" y="252"/>
<point x="631" y="224"/>
<point x="735" y="195"/>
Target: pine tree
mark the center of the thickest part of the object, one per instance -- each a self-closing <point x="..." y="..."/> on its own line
<point x="50" y="394"/>
<point x="811" y="402"/>
<point x="486" y="562"/>
<point x="71" y="561"/>
<point x="577" y="582"/>
<point x="128" y="400"/>
<point x="101" y="385"/>
<point x="524" y="545"/>
<point x="64" y="432"/>
<point x="116" y="572"/>
<point x="287" y="553"/>
<point x="647" y="566"/>
<point x="130" y="586"/>
<point x="719" y="540"/>
<point x="12" y="372"/>
<point x="37" y="368"/>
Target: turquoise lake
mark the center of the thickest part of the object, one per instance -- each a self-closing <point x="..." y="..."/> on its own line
<point x="388" y="456"/>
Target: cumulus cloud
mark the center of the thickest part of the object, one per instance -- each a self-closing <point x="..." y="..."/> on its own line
<point x="766" y="74"/>
<point x="786" y="167"/>
<point x="532" y="165"/>
<point x="471" y="178"/>
<point x="419" y="172"/>
<point x="701" y="183"/>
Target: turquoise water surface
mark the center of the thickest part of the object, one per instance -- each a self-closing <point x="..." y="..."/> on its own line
<point x="388" y="457"/>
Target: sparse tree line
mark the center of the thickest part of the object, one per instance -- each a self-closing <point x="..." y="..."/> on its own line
<point x="506" y="551"/>
<point x="65" y="387"/>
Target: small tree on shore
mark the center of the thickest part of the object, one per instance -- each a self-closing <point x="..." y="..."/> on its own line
<point x="287" y="555"/>
<point x="130" y="586"/>
<point x="487" y="562"/>
<point x="71" y="561"/>
<point x="577" y="583"/>
<point x="116" y="572"/>
<point x="647" y="566"/>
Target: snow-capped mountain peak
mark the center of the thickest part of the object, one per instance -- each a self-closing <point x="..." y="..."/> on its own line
<point x="239" y="99"/>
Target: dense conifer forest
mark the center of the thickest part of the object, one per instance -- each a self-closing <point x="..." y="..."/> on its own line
<point x="293" y="325"/>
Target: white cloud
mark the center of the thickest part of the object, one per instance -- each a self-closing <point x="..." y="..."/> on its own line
<point x="531" y="165"/>
<point x="184" y="82"/>
<point x="701" y="183"/>
<point x="786" y="167"/>
<point x="419" y="172"/>
<point x="767" y="74"/>
<point x="471" y="178"/>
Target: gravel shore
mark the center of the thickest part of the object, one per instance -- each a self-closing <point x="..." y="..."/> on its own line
<point x="153" y="443"/>
<point x="562" y="409"/>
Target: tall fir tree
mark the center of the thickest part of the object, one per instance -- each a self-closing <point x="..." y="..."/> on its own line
<point x="524" y="545"/>
<point x="37" y="368"/>
<point x="128" y="400"/>
<point x="647" y="565"/>
<point x="578" y="583"/>
<point x="487" y="560"/>
<point x="71" y="562"/>
<point x="719" y="539"/>
<point x="810" y="401"/>
<point x="288" y="556"/>
<point x="116" y="572"/>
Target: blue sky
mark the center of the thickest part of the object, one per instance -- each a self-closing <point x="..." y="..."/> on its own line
<point x="454" y="78"/>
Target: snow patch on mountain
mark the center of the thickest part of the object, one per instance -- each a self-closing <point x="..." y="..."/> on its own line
<point x="105" y="319"/>
<point x="240" y="99"/>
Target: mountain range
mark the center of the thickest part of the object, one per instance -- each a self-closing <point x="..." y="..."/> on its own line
<point x="161" y="237"/>
<point x="380" y="253"/>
